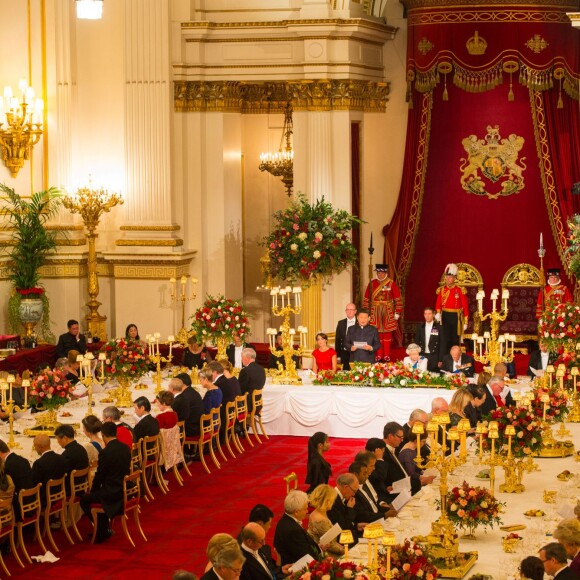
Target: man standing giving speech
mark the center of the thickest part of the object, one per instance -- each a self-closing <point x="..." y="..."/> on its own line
<point x="553" y="293"/>
<point x="383" y="300"/>
<point x="452" y="309"/>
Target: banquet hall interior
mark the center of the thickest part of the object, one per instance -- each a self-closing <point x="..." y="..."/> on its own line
<point x="449" y="128"/>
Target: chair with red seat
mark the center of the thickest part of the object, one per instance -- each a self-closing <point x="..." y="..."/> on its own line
<point x="150" y="453"/>
<point x="242" y="418"/>
<point x="7" y="530"/>
<point x="56" y="504"/>
<point x="204" y="438"/>
<point x="79" y="485"/>
<point x="256" y="415"/>
<point x="30" y="511"/>
<point x="181" y="425"/>
<point x="230" y="427"/>
<point x="216" y="422"/>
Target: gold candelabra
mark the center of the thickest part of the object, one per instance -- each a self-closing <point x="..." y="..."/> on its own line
<point x="183" y="297"/>
<point x="574" y="415"/>
<point x="156" y="358"/>
<point x="281" y="163"/>
<point x="489" y="348"/>
<point x="283" y="305"/>
<point x="443" y="541"/>
<point x="6" y="386"/>
<point x="20" y="125"/>
<point x="90" y="204"/>
<point x="86" y="375"/>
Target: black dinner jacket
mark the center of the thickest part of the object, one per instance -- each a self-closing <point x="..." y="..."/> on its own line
<point x="447" y="364"/>
<point x="231" y="352"/>
<point x="49" y="465"/>
<point x="148" y="426"/>
<point x="344" y="516"/>
<point x="18" y="468"/>
<point x="292" y="541"/>
<point x="379" y="478"/>
<point x="252" y="377"/>
<point x="396" y="472"/>
<point x="75" y="456"/>
<point x="363" y="511"/>
<point x="210" y="575"/>
<point x="490" y="403"/>
<point x="340" y="337"/>
<point x="189" y="408"/>
<point x="566" y="574"/>
<point x="253" y="569"/>
<point x="434" y="338"/>
<point x="67" y="342"/>
<point x="227" y="388"/>
<point x="113" y="465"/>
<point x="536" y="361"/>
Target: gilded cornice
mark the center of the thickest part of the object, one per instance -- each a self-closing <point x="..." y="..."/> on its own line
<point x="173" y="228"/>
<point x="499" y="4"/>
<point x="270" y="97"/>
<point x="171" y="242"/>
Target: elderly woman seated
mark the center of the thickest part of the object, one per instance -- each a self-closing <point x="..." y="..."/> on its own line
<point x="414" y="360"/>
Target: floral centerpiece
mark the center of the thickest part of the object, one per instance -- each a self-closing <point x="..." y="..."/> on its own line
<point x="528" y="438"/>
<point x="408" y="561"/>
<point x="50" y="389"/>
<point x="573" y="248"/>
<point x="557" y="410"/>
<point x="310" y="240"/>
<point x="470" y="507"/>
<point x="395" y="375"/>
<point x="560" y="327"/>
<point x="330" y="569"/>
<point x="125" y="358"/>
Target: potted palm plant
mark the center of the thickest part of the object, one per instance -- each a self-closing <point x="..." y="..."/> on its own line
<point x="28" y="248"/>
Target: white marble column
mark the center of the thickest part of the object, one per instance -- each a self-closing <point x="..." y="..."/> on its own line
<point x="148" y="106"/>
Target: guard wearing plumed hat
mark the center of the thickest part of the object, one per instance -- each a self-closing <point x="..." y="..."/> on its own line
<point x="452" y="309"/>
<point x="553" y="293"/>
<point x="383" y="300"/>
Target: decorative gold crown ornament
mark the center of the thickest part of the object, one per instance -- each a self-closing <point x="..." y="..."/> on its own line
<point x="476" y="45"/>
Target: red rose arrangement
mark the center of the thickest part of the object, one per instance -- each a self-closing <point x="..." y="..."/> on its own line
<point x="220" y="317"/>
<point x="125" y="358"/>
<point x="50" y="389"/>
<point x="528" y="437"/>
<point x="558" y="407"/>
<point x="470" y="507"/>
<point x="561" y="326"/>
<point x="409" y="560"/>
<point x="330" y="569"/>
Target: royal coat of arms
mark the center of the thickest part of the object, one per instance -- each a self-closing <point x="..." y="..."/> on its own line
<point x="494" y="160"/>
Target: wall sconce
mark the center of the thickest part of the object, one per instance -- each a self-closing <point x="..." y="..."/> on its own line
<point x="90" y="9"/>
<point x="20" y="125"/>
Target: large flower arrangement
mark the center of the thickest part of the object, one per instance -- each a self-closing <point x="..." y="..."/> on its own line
<point x="470" y="507"/>
<point x="408" y="561"/>
<point x="528" y="438"/>
<point x="561" y="326"/>
<point x="330" y="569"/>
<point x="310" y="240"/>
<point x="389" y="375"/>
<point x="125" y="358"/>
<point x="574" y="243"/>
<point x="50" y="389"/>
<point x="558" y="408"/>
<point x="220" y="317"/>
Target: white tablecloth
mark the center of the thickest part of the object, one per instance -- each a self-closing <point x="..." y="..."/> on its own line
<point x="350" y="412"/>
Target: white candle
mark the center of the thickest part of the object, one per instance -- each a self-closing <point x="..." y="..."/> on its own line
<point x="541" y="240"/>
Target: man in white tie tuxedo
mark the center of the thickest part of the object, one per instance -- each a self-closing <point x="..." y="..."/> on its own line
<point x="539" y="360"/>
<point x="256" y="566"/>
<point x="341" y="330"/>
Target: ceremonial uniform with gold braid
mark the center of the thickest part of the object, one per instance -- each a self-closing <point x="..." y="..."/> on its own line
<point x="552" y="296"/>
<point x="454" y="310"/>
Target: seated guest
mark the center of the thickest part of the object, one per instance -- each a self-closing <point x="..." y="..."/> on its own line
<point x="257" y="565"/>
<point x="183" y="575"/>
<point x="540" y="359"/>
<point x="318" y="470"/>
<point x="187" y="403"/>
<point x="49" y="465"/>
<point x="225" y="388"/>
<point x="365" y="508"/>
<point x="341" y="328"/>
<point x="274" y="361"/>
<point x="473" y="409"/>
<point x="263" y="516"/>
<point x="493" y="398"/>
<point x="322" y="499"/>
<point x="369" y="460"/>
<point x="6" y="484"/>
<point x="234" y="351"/>
<point x="132" y="333"/>
<point x="438" y="405"/>
<point x="92" y="428"/>
<point x="167" y="417"/>
<point x="505" y="370"/>
<point x="555" y="562"/>
<point x="216" y="544"/>
<point x="195" y="355"/>
<point x="461" y="398"/>
<point x="124" y="431"/>
<point x="483" y="378"/>
<point x="252" y="376"/>
<point x="228" y="564"/>
<point x="19" y="470"/>
<point x="416" y="416"/>
<point x="234" y="390"/>
<point x="366" y="338"/>
<point x="290" y="539"/>
<point x="61" y="364"/>
<point x="531" y="568"/>
<point x="147" y="425"/>
<point x="72" y="367"/>
<point x="567" y="532"/>
<point x="74" y="454"/>
<point x="457" y="362"/>
<point x="428" y="337"/>
<point x="107" y="487"/>
<point x="213" y="396"/>
<point x="324" y="356"/>
<point x="71" y="340"/>
<point x="414" y="360"/>
<point x="408" y="454"/>
<point x="379" y="476"/>
<point x="342" y="511"/>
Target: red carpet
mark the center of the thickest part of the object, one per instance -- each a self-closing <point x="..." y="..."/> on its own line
<point x="179" y="524"/>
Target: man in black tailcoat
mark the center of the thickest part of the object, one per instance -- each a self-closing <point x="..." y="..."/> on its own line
<point x="340" y="335"/>
<point x="428" y="337"/>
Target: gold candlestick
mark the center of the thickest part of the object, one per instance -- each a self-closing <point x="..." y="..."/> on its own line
<point x="574" y="415"/>
<point x="6" y="387"/>
<point x="157" y="359"/>
<point x="183" y="298"/>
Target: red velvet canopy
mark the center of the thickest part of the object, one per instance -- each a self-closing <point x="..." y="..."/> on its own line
<point x="493" y="141"/>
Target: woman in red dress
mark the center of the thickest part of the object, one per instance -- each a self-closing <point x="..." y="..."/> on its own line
<point x="167" y="417"/>
<point x="324" y="356"/>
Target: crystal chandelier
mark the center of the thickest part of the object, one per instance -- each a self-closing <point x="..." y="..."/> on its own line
<point x="90" y="9"/>
<point x="281" y="162"/>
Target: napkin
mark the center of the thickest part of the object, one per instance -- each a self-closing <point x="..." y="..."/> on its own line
<point x="48" y="557"/>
